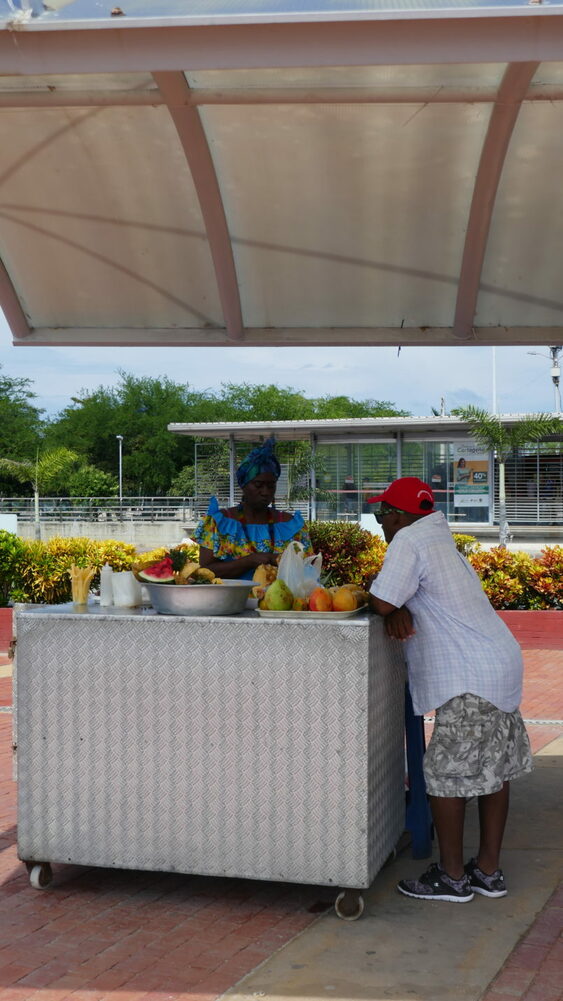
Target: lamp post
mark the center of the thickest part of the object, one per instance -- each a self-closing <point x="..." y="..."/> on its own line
<point x="553" y="356"/>
<point x="120" y="452"/>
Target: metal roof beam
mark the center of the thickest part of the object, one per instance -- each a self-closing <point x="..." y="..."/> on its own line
<point x="515" y="83"/>
<point x="10" y="304"/>
<point x="288" y="337"/>
<point x="61" y="98"/>
<point x="453" y="37"/>
<point x="176" y="94"/>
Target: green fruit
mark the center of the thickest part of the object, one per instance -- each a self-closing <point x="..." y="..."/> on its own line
<point x="278" y="597"/>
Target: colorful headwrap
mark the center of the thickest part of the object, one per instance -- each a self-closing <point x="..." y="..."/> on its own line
<point x="260" y="460"/>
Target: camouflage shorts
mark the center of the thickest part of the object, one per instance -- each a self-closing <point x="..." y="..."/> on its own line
<point x="475" y="748"/>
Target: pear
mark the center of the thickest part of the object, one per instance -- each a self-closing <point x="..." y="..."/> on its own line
<point x="278" y="597"/>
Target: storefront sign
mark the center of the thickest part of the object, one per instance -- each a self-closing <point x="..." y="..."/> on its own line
<point x="471" y="474"/>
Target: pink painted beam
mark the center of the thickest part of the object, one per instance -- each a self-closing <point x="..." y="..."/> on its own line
<point x="11" y="306"/>
<point x="512" y="91"/>
<point x="176" y="94"/>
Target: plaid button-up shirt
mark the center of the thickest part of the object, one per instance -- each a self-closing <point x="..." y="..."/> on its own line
<point x="460" y="644"/>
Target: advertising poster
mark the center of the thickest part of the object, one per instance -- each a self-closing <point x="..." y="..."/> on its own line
<point x="471" y="474"/>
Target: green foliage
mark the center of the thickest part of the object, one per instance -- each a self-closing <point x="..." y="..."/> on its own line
<point x="140" y="409"/>
<point x="43" y="576"/>
<point x="465" y="544"/>
<point x="489" y="430"/>
<point x="12" y="551"/>
<point x="300" y="461"/>
<point x="518" y="580"/>
<point x="350" y="553"/>
<point x="510" y="580"/>
<point x="342" y="407"/>
<point x="38" y="572"/>
<point x="183" y="484"/>
<point x="263" y="403"/>
<point x="47" y="472"/>
<point x="88" y="481"/>
<point x="21" y="426"/>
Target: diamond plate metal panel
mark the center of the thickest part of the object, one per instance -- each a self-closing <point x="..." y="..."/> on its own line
<point x="241" y="747"/>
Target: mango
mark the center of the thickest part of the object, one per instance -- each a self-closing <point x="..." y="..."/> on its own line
<point x="320" y="600"/>
<point x="344" y="600"/>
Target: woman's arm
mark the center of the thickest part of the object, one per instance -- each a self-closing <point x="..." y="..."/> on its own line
<point x="231" y="569"/>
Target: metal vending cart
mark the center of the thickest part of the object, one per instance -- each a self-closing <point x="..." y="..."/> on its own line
<point x="237" y="746"/>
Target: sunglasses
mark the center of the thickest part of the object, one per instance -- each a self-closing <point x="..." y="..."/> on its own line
<point x="384" y="510"/>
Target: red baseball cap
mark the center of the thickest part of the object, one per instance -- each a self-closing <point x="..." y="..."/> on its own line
<point x="407" y="494"/>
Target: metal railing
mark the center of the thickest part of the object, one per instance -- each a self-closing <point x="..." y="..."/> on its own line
<point x="520" y="509"/>
<point x="68" y="509"/>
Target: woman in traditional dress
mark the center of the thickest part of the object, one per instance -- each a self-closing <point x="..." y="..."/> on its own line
<point x="234" y="541"/>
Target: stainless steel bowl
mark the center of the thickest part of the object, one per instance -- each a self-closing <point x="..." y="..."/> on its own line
<point x="200" y="599"/>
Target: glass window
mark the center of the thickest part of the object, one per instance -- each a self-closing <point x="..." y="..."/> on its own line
<point x="350" y="474"/>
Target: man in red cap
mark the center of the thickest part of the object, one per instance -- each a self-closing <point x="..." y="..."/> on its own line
<point x="464" y="663"/>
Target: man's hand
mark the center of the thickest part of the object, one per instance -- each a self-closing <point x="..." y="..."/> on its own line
<point x="399" y="625"/>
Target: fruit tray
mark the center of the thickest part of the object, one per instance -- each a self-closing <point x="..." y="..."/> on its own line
<point x="267" y="614"/>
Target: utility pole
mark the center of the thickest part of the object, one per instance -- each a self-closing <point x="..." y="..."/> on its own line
<point x="553" y="356"/>
<point x="120" y="472"/>
<point x="555" y="373"/>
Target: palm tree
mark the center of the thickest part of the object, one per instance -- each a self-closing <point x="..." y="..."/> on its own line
<point x="495" y="436"/>
<point x="42" y="474"/>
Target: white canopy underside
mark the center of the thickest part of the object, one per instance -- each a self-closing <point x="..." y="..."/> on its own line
<point x="331" y="178"/>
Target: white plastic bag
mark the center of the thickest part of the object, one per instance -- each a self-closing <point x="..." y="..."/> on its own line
<point x="300" y="573"/>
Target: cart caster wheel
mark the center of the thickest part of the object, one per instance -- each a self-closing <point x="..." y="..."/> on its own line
<point x="40" y="875"/>
<point x="349" y="905"/>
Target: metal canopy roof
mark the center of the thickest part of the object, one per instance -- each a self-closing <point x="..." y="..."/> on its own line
<point x="282" y="173"/>
<point x="336" y="429"/>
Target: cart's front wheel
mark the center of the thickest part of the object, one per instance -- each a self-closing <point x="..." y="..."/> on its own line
<point x="349" y="905"/>
<point x="40" y="875"/>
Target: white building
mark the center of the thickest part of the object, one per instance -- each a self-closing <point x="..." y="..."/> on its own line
<point x="358" y="457"/>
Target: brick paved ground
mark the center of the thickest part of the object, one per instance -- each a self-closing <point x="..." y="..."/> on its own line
<point x="110" y="935"/>
<point x="154" y="936"/>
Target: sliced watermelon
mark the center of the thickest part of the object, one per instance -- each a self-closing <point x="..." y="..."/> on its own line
<point x="158" y="573"/>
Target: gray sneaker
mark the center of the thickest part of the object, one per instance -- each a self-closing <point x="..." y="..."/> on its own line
<point x="481" y="882"/>
<point x="435" y="884"/>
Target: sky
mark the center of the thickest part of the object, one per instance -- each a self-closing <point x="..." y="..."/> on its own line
<point x="414" y="379"/>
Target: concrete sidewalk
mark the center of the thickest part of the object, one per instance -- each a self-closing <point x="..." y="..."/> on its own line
<point x="107" y="935"/>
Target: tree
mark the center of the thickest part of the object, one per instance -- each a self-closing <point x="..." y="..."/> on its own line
<point x="140" y="409"/>
<point x="88" y="481"/>
<point x="21" y="424"/>
<point x="497" y="437"/>
<point x="301" y="462"/>
<point x="342" y="407"/>
<point x="43" y="473"/>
